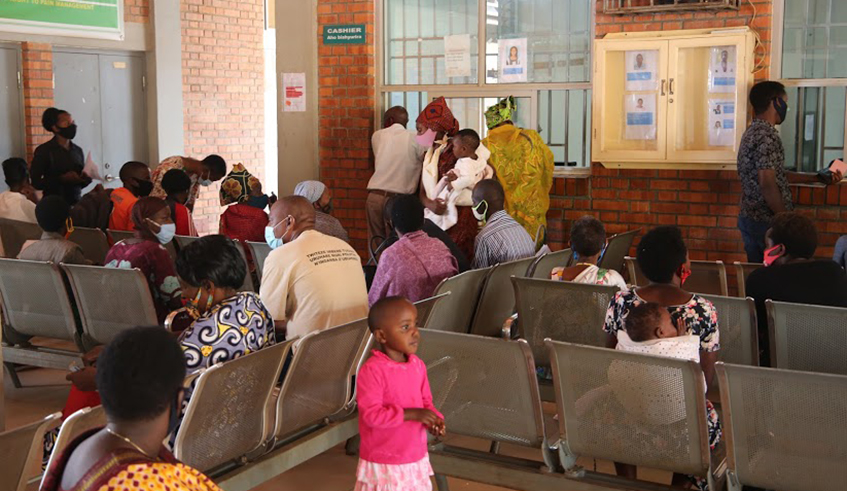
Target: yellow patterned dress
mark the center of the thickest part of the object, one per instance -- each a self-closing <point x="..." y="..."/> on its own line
<point x="524" y="166"/>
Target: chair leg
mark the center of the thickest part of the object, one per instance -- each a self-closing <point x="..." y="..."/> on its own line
<point x="16" y="381"/>
<point x="441" y="482"/>
<point x="495" y="448"/>
<point x="352" y="445"/>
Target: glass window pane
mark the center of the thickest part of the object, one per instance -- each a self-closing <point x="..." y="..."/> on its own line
<point x="414" y="102"/>
<point x="815" y="39"/>
<point x="563" y="122"/>
<point x="557" y="34"/>
<point x="813" y="133"/>
<point x="414" y="43"/>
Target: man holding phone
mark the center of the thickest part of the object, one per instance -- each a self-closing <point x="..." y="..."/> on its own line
<point x="761" y="167"/>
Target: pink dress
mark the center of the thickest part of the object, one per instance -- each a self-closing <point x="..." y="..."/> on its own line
<point x="393" y="452"/>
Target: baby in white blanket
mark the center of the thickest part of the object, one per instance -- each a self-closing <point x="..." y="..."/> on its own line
<point x="456" y="187"/>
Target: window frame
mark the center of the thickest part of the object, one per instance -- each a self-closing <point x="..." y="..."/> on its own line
<point x="482" y="89"/>
<point x="777" y="39"/>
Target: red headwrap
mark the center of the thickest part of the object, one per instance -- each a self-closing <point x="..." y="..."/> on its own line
<point x="438" y="117"/>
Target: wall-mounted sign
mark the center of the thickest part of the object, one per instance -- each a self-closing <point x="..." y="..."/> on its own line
<point x="81" y="18"/>
<point x="345" y="34"/>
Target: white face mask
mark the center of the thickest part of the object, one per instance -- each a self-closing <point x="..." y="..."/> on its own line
<point x="270" y="237"/>
<point x="166" y="233"/>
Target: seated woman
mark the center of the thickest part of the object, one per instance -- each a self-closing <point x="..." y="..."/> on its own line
<point x="153" y="228"/>
<point x="177" y="184"/>
<point x="245" y="218"/>
<point x="140" y="378"/>
<point x="588" y="238"/>
<point x="663" y="257"/>
<point x="792" y="275"/>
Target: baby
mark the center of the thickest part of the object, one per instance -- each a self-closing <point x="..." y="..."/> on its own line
<point x="648" y="329"/>
<point x="456" y="187"/>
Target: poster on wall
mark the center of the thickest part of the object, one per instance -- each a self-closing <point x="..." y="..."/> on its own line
<point x="722" y="69"/>
<point x="457" y="55"/>
<point x="641" y="70"/>
<point x="513" y="60"/>
<point x="640" y="116"/>
<point x="721" y="123"/>
<point x="294" y="92"/>
<point x="80" y="18"/>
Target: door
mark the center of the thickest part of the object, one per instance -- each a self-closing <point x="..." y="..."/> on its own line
<point x="630" y="101"/>
<point x="706" y="116"/>
<point x="11" y="107"/>
<point x="105" y="94"/>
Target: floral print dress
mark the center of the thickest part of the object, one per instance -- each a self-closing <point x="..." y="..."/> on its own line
<point x="701" y="319"/>
<point x="154" y="261"/>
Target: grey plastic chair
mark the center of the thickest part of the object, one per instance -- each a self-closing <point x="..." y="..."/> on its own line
<point x="742" y="272"/>
<point x="562" y="311"/>
<point x="13" y="235"/>
<point x="36" y="302"/>
<point x="784" y="429"/>
<point x="426" y="306"/>
<point x="93" y="242"/>
<point x="226" y="417"/>
<point x="618" y="248"/>
<point x="543" y="266"/>
<point x="182" y="241"/>
<point x="497" y="300"/>
<point x="21" y="451"/>
<point x="486" y="388"/>
<point x="318" y="384"/>
<point x="811" y="338"/>
<point x="455" y="313"/>
<point x="260" y="251"/>
<point x="110" y="301"/>
<point x="76" y="424"/>
<point x="707" y="277"/>
<point x="738" y="327"/>
<point x="248" y="285"/>
<point x="631" y="408"/>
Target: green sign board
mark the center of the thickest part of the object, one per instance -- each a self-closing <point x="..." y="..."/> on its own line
<point x="86" y="18"/>
<point x="341" y="33"/>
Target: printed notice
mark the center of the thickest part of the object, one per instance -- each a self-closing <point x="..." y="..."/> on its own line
<point x="722" y="70"/>
<point x="721" y="123"/>
<point x="294" y="92"/>
<point x="640" y="117"/>
<point x="513" y="60"/>
<point x="457" y="55"/>
<point x="641" y="70"/>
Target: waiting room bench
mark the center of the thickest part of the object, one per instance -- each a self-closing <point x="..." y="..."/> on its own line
<point x="810" y="338"/>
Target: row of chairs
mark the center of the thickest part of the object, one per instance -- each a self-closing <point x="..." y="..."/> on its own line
<point x="629" y="408"/>
<point x="707" y="277"/>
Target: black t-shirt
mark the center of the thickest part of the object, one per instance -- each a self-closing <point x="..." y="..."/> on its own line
<point x="811" y="282"/>
<point x="50" y="162"/>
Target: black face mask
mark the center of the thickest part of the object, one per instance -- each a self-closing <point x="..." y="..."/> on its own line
<point x="143" y="188"/>
<point x="68" y="132"/>
<point x="327" y="208"/>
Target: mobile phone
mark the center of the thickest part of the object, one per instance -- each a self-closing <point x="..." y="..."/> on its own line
<point x="74" y="367"/>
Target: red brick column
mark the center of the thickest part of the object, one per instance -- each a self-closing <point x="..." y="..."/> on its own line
<point x="37" y="77"/>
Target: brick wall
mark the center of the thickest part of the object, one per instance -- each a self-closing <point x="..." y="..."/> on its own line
<point x="37" y="77"/>
<point x="223" y="90"/>
<point x="345" y="122"/>
<point x="137" y="11"/>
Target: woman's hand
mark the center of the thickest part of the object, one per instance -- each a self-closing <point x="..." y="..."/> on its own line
<point x="437" y="206"/>
<point x="84" y="380"/>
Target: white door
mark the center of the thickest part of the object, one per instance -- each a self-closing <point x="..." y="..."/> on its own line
<point x="11" y="108"/>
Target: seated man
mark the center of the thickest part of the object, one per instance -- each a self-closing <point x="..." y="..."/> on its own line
<point x="54" y="219"/>
<point x="321" y="198"/>
<point x="502" y="239"/>
<point x="415" y="265"/>
<point x="18" y="203"/>
<point x="311" y="281"/>
<point x="135" y="177"/>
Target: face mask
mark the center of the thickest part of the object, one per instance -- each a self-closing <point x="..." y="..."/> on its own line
<point x="69" y="225"/>
<point x="205" y="182"/>
<point x="272" y="240"/>
<point x="774" y="253"/>
<point x="166" y="233"/>
<point x="68" y="132"/>
<point x="427" y="139"/>
<point x="478" y="211"/>
<point x="327" y="208"/>
<point x="143" y="188"/>
<point x="684" y="274"/>
<point x="260" y="202"/>
<point x="781" y="109"/>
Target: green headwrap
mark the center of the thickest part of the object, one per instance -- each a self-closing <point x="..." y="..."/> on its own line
<point x="502" y="111"/>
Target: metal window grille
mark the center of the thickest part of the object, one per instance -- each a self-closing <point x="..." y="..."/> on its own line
<point x="638" y="6"/>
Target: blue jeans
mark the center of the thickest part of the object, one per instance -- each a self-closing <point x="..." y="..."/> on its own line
<point x="753" y="232"/>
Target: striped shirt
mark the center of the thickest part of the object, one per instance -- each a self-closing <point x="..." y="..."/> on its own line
<point x="502" y="240"/>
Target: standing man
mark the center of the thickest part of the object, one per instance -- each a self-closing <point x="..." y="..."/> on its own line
<point x="397" y="169"/>
<point x="761" y="167"/>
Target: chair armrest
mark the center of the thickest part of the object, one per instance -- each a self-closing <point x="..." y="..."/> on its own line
<point x="169" y="320"/>
<point x="506" y="332"/>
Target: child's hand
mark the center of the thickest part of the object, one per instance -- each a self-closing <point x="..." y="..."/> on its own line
<point x="681" y="328"/>
<point x="425" y="416"/>
<point x="439" y="429"/>
<point x="451" y="175"/>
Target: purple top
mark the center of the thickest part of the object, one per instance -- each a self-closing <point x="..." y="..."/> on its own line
<point x="412" y="268"/>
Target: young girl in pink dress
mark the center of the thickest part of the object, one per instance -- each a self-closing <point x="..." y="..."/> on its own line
<point x="395" y="404"/>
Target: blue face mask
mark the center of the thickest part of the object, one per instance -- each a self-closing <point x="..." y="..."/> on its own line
<point x="260" y="202"/>
<point x="270" y="237"/>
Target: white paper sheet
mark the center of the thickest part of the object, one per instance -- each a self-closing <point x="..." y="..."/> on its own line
<point x="457" y="55"/>
<point x="91" y="169"/>
<point x="641" y="71"/>
<point x="513" y="60"/>
<point x="640" y="117"/>
<point x="294" y="92"/>
<point x="721" y="123"/>
<point x="722" y="70"/>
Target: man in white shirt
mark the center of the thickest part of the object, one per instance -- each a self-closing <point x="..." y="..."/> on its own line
<point x="311" y="281"/>
<point x="398" y="159"/>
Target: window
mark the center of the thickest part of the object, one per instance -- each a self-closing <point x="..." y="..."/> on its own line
<point x="811" y="59"/>
<point x="550" y="40"/>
